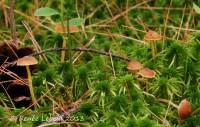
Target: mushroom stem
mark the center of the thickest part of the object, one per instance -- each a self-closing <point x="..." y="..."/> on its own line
<point x="31" y="85"/>
<point x="153" y="49"/>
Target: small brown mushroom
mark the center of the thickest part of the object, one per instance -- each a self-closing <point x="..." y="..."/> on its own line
<point x="184" y="109"/>
<point x="27" y="61"/>
<point x="134" y="65"/>
<point x="151" y="37"/>
<point x="147" y="73"/>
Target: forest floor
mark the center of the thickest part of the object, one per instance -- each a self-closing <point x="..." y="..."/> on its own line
<point x="100" y="63"/>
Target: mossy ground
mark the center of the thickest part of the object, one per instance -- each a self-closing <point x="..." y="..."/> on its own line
<point x="108" y="94"/>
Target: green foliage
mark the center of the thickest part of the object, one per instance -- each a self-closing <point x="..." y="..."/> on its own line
<point x="76" y="22"/>
<point x="119" y="103"/>
<point x="87" y="108"/>
<point x="132" y="123"/>
<point x="147" y="123"/>
<point x="177" y="54"/>
<point x="67" y="72"/>
<point x="165" y="87"/>
<point x="196" y="8"/>
<point x="3" y="113"/>
<point x="137" y="107"/>
<point x="100" y="124"/>
<point x="46" y="11"/>
<point x="103" y="86"/>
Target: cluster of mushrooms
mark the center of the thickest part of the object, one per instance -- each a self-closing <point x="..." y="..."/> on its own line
<point x="184" y="108"/>
<point x="138" y="68"/>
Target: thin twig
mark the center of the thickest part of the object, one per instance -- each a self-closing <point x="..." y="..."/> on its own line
<point x="107" y="21"/>
<point x="30" y="18"/>
<point x="72" y="108"/>
<point x="60" y="118"/>
<point x="167" y="111"/>
<point x="12" y="74"/>
<point x="180" y="26"/>
<point x="81" y="49"/>
<point x="35" y="43"/>
<point x="169" y="102"/>
<point x="58" y="123"/>
<point x="116" y="35"/>
<point x="41" y="97"/>
<point x="165" y="25"/>
<point x="10" y="64"/>
<point x="163" y="8"/>
<point x="113" y="68"/>
<point x="10" y="99"/>
<point x="78" y="54"/>
<point x="183" y="29"/>
<point x="4" y="12"/>
<point x="12" y="22"/>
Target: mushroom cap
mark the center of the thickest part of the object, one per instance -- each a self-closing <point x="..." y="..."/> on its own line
<point x="152" y="35"/>
<point x="26" y="61"/>
<point x="184" y="109"/>
<point x="147" y="73"/>
<point x="134" y="65"/>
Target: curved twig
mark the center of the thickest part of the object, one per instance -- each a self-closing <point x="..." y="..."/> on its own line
<point x="81" y="49"/>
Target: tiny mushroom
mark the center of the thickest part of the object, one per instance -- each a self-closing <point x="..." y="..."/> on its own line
<point x="134" y="65"/>
<point x="151" y="37"/>
<point x="184" y="109"/>
<point x="147" y="73"/>
<point x="28" y="61"/>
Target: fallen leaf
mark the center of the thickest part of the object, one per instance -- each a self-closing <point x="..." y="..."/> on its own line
<point x="72" y="29"/>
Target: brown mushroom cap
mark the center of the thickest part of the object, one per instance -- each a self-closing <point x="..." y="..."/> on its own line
<point x="26" y="61"/>
<point x="147" y="73"/>
<point x="152" y="35"/>
<point x="184" y="109"/>
<point x="134" y="65"/>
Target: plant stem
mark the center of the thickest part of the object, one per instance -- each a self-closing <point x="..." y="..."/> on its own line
<point x="63" y="29"/>
<point x="12" y="23"/>
<point x="31" y="85"/>
<point x="62" y="15"/>
<point x="168" y="102"/>
<point x="155" y="48"/>
<point x="152" y="49"/>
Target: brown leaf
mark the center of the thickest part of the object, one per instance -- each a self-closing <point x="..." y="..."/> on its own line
<point x="26" y="60"/>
